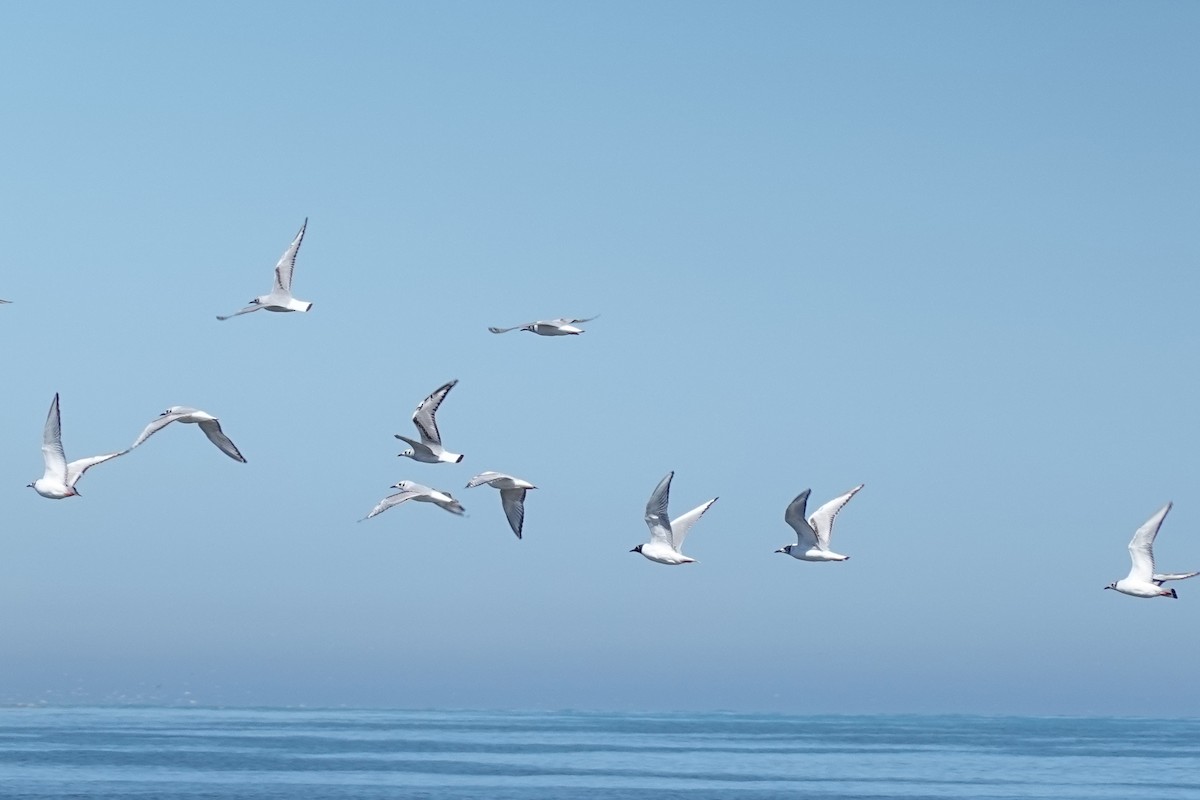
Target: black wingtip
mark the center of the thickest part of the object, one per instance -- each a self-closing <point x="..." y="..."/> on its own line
<point x="457" y="460"/>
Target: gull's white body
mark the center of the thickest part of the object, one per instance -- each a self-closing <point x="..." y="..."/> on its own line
<point x="512" y="495"/>
<point x="207" y="422"/>
<point x="549" y="327"/>
<point x="422" y="494"/>
<point x="813" y="534"/>
<point x="58" y="481"/>
<point x="280" y="297"/>
<point x="429" y="449"/>
<point x="667" y="535"/>
<point x="1142" y="580"/>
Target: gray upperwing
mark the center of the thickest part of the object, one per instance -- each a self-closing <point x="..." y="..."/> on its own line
<point x="246" y="310"/>
<point x="76" y="469"/>
<point x="389" y="501"/>
<point x="656" y="511"/>
<point x="506" y="330"/>
<point x="425" y="416"/>
<point x="160" y="422"/>
<point x="1173" y="576"/>
<point x="513" y="501"/>
<point x="53" y="455"/>
<point x="794" y="516"/>
<point x="287" y="263"/>
<point x="1141" y="546"/>
<point x="212" y="429"/>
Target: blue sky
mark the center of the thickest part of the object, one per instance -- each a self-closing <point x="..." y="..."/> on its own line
<point x="944" y="249"/>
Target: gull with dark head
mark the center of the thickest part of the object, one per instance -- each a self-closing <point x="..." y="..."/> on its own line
<point x="58" y="481"/>
<point x="1142" y="580"/>
<point x="549" y="327"/>
<point x="280" y="297"/>
<point x="512" y="495"/>
<point x="429" y="449"/>
<point x="422" y="494"/>
<point x="207" y="422"/>
<point x="813" y="534"/>
<point x="666" y="534"/>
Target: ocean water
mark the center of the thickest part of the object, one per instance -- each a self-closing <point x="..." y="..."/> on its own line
<point x="196" y="753"/>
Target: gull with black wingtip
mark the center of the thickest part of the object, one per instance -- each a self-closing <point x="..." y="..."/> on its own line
<point x="429" y="449"/>
<point x="410" y="490"/>
<point x="813" y="534"/>
<point x="512" y="495"/>
<point x="207" y="422"/>
<point x="58" y="481"/>
<point x="666" y="534"/>
<point x="280" y="297"/>
<point x="549" y="327"/>
<point x="1142" y="580"/>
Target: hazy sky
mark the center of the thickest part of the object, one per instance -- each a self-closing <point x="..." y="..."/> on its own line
<point x="945" y="249"/>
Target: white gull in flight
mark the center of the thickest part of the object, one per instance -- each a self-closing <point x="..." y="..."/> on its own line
<point x="1142" y="580"/>
<point x="280" y="297"/>
<point x="512" y="495"/>
<point x="667" y="535"/>
<point x="415" y="491"/>
<point x="208" y="423"/>
<point x="813" y="534"/>
<point x="549" y="327"/>
<point x="429" y="450"/>
<point x="60" y="478"/>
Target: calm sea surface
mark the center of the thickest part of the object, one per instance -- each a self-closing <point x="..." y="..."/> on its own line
<point x="303" y="755"/>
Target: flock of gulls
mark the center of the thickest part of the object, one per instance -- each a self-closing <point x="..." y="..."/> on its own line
<point x="813" y="533"/>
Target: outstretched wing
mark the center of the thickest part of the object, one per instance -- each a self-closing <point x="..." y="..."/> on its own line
<point x="52" y="446"/>
<point x="246" y="310"/>
<point x="822" y="519"/>
<point x="684" y="522"/>
<point x="570" y="321"/>
<point x="76" y="469"/>
<point x="1173" y="576"/>
<point x="513" y="328"/>
<point x="389" y="501"/>
<point x="425" y="416"/>
<point x="1141" y="546"/>
<point x="287" y="263"/>
<point x="160" y="422"/>
<point x="485" y="477"/>
<point x="656" y="512"/>
<point x="806" y="537"/>
<point x="212" y="429"/>
<point x="513" y="501"/>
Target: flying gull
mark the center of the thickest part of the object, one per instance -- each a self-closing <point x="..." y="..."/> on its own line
<point x="422" y="494"/>
<point x="1142" y="581"/>
<point x="60" y="478"/>
<point x="512" y="495"/>
<point x="429" y="450"/>
<point x="813" y="534"/>
<point x="667" y="535"/>
<point x="549" y="327"/>
<point x="208" y="423"/>
<point x="280" y="297"/>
